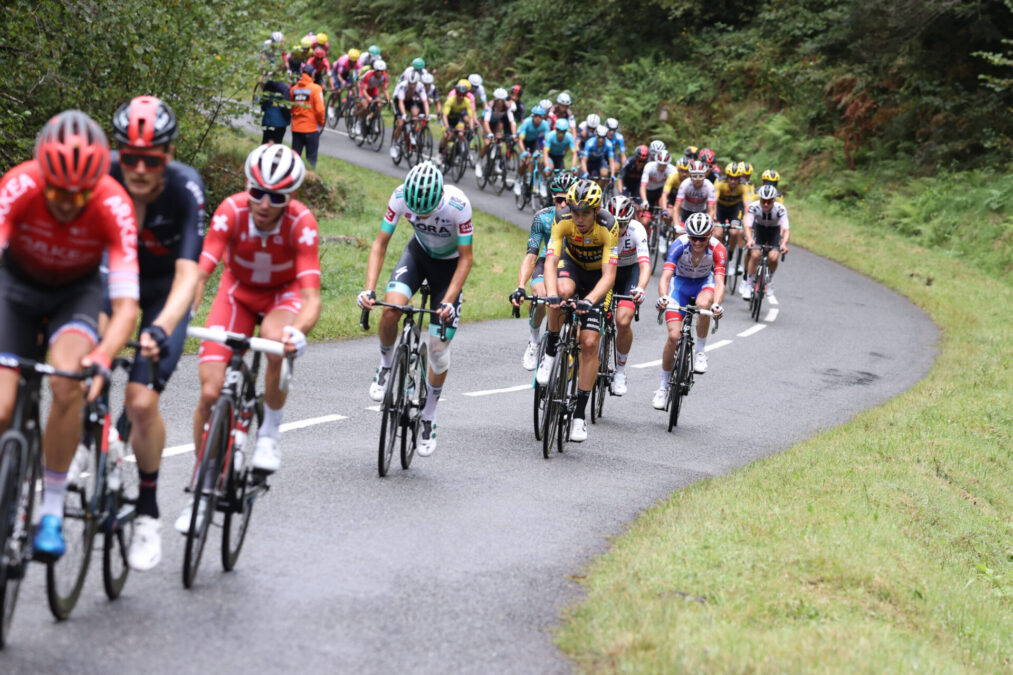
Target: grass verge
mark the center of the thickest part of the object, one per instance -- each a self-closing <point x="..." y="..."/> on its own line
<point x="883" y="544"/>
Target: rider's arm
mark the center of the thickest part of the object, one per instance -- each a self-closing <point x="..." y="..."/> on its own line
<point x="643" y="258"/>
<point x="643" y="185"/>
<point x="308" y="315"/>
<point x="747" y="227"/>
<point x="712" y="202"/>
<point x="785" y="231"/>
<point x="465" y="258"/>
<point x="552" y="253"/>
<point x="720" y="270"/>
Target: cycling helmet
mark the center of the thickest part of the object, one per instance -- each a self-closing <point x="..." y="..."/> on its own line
<point x="413" y="77"/>
<point x="612" y="123"/>
<point x="767" y="192"/>
<point x="277" y="37"/>
<point x="144" y="122"/>
<point x="593" y="121"/>
<point x="584" y="194"/>
<point x="309" y="69"/>
<point x="500" y="94"/>
<point x="275" y="168"/>
<point x="562" y="181"/>
<point x="562" y="124"/>
<point x="517" y="89"/>
<point x="538" y="111"/>
<point x="732" y="170"/>
<point x="699" y="225"/>
<point x="321" y="38"/>
<point x="663" y="157"/>
<point x="642" y="153"/>
<point x="462" y="86"/>
<point x="622" y="208"/>
<point x="379" y="64"/>
<point x="656" y="147"/>
<point x="353" y="54"/>
<point x="423" y="187"/>
<point x="306" y="43"/>
<point x="772" y="176"/>
<point x="418" y="63"/>
<point x="706" y="156"/>
<point x="748" y="170"/>
<point x="475" y="79"/>
<point x="428" y="79"/>
<point x="602" y="131"/>
<point x="564" y="99"/>
<point x="690" y="151"/>
<point x="374" y="50"/>
<point x="72" y="151"/>
<point x="697" y="169"/>
<point x="683" y="163"/>
<point x="546" y="104"/>
<point x="319" y="53"/>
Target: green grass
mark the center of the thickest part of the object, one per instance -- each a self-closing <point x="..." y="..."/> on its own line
<point x="347" y="236"/>
<point x="885" y="544"/>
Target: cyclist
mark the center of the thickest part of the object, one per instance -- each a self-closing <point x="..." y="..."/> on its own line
<point x="439" y="251"/>
<point x="584" y="248"/>
<point x="747" y="174"/>
<point x="320" y="42"/>
<point x="168" y="198"/>
<point x="299" y="56"/>
<point x="269" y="243"/>
<point x="418" y="66"/>
<point x="733" y="199"/>
<point x="633" y="273"/>
<point x="533" y="264"/>
<point x="557" y="145"/>
<point x="597" y="155"/>
<point x="654" y="178"/>
<point x="772" y="177"/>
<point x="346" y="69"/>
<point x="618" y="144"/>
<point x="766" y="223"/>
<point x="322" y="68"/>
<point x="586" y="129"/>
<point x="499" y="110"/>
<point x="370" y="85"/>
<point x="706" y="155"/>
<point x="432" y="92"/>
<point x="272" y="53"/>
<point x="410" y="95"/>
<point x="633" y="169"/>
<point x="532" y="136"/>
<point x="692" y="153"/>
<point x="561" y="110"/>
<point x="694" y="267"/>
<point x="59" y="213"/>
<point x="459" y="111"/>
<point x="478" y="91"/>
<point x="696" y="195"/>
<point x="308" y="115"/>
<point x="515" y="96"/>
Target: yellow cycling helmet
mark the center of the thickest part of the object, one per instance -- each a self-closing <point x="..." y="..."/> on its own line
<point x="683" y="163"/>
<point x="747" y="170"/>
<point x="321" y="38"/>
<point x="771" y="176"/>
<point x="584" y="194"/>
<point x="732" y="170"/>
<point x="306" y="42"/>
<point x="462" y="86"/>
<point x="353" y="54"/>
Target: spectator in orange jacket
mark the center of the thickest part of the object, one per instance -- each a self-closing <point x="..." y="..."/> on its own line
<point x="308" y="114"/>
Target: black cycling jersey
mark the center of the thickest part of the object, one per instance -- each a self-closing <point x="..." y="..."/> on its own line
<point x="630" y="174"/>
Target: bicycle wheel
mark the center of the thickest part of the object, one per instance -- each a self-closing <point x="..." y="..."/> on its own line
<point x="569" y="399"/>
<point x="418" y="393"/>
<point x="759" y="289"/>
<point x="119" y="533"/>
<point x="65" y="576"/>
<point x="475" y="148"/>
<point x="239" y="502"/>
<point x="510" y="169"/>
<point x="403" y="150"/>
<point x="461" y="154"/>
<point x="555" y="390"/>
<point x="258" y="91"/>
<point x="653" y="246"/>
<point x="679" y="384"/>
<point x="732" y="278"/>
<point x="392" y="410"/>
<point x="376" y="131"/>
<point x="605" y="369"/>
<point x="16" y="493"/>
<point x="205" y="489"/>
<point x="333" y="109"/>
<point x="349" y="116"/>
<point x="483" y="180"/>
<point x="540" y="398"/>
<point x="424" y="147"/>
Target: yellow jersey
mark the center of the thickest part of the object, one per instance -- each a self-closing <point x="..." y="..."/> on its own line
<point x="456" y="105"/>
<point x="590" y="250"/>
<point x="733" y="196"/>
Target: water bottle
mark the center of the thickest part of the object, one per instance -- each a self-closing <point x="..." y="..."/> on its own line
<point x="114" y="460"/>
<point x="238" y="442"/>
<point x="78" y="465"/>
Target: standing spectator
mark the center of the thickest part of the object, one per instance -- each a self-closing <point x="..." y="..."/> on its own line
<point x="277" y="115"/>
<point x="308" y="114"/>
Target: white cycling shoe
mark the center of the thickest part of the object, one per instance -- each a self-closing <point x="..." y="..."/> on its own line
<point x="378" y="384"/>
<point x="530" y="358"/>
<point x="660" y="399"/>
<point x="182" y="523"/>
<point x="578" y="430"/>
<point x="267" y="456"/>
<point x="544" y="370"/>
<point x="146" y="545"/>
<point x="745" y="289"/>
<point x="427" y="438"/>
<point x="619" y="384"/>
<point x="700" y="363"/>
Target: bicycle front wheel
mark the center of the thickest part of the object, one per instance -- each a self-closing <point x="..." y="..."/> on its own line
<point x="569" y="400"/>
<point x="65" y="576"/>
<point x="16" y="493"/>
<point x="541" y="400"/>
<point x="239" y="507"/>
<point x="333" y="109"/>
<point x="392" y="411"/>
<point x="205" y="489"/>
<point x="679" y="385"/>
<point x="555" y="391"/>
<point x="376" y="131"/>
<point x="759" y="289"/>
<point x="424" y="147"/>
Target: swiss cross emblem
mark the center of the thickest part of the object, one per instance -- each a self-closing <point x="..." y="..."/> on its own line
<point x="308" y="236"/>
<point x="221" y="223"/>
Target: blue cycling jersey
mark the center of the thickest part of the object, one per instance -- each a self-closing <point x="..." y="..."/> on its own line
<point x="597" y="149"/>
<point x="541" y="231"/>
<point x="618" y="144"/>
<point x="557" y="147"/>
<point x="532" y="133"/>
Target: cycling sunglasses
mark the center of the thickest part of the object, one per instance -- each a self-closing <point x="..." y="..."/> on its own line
<point x="277" y="199"/>
<point x="151" y="160"/>
<point x="707" y="238"/>
<point x="559" y="199"/>
<point x="55" y="194"/>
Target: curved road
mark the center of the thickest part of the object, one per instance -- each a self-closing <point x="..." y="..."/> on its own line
<point x="461" y="563"/>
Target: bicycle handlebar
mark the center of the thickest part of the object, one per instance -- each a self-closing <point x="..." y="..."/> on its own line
<point x="407" y="309"/>
<point x="16" y="362"/>
<point x="673" y="306"/>
<point x="231" y="339"/>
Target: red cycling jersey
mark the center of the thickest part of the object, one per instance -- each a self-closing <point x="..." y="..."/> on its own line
<point x="258" y="259"/>
<point x="51" y="253"/>
<point x="371" y="84"/>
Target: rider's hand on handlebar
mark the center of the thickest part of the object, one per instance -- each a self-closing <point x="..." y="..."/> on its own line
<point x="101" y="363"/>
<point x="584" y="306"/>
<point x="294" y="340"/>
<point x="553" y="301"/>
<point x="638" y="295"/>
<point x="366" y="299"/>
<point x="717" y="310"/>
<point x="517" y="297"/>
<point x="784" y="248"/>
<point x="446" y="312"/>
<point x="154" y="343"/>
<point x="662" y="303"/>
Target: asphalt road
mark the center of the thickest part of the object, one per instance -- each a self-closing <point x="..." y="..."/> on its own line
<point x="461" y="564"/>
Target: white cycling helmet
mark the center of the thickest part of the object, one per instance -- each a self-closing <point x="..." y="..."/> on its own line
<point x="767" y="192"/>
<point x="601" y="131"/>
<point x="563" y="99"/>
<point x="699" y="225"/>
<point x="546" y="103"/>
<point x="500" y="94"/>
<point x="593" y="121"/>
<point x="663" y="157"/>
<point x="275" y="168"/>
<point x="612" y="123"/>
<point x="475" y="79"/>
<point x="427" y="78"/>
<point x="656" y="147"/>
<point x="379" y="64"/>
<point x="276" y="36"/>
<point x="413" y="76"/>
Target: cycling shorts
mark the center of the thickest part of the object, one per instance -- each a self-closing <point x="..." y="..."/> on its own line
<point x="558" y="162"/>
<point x="240" y="308"/>
<point x="771" y="236"/>
<point x="532" y="145"/>
<point x="28" y="309"/>
<point x="683" y="290"/>
<point x="596" y="164"/>
<point x="654" y="196"/>
<point x="538" y="273"/>
<point x="729" y="214"/>
<point x="454" y="118"/>
<point x="626" y="280"/>
<point x="567" y="268"/>
<point x="416" y="266"/>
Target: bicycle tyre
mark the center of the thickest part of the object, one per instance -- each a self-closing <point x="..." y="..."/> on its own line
<point x="333" y="115"/>
<point x="759" y="288"/>
<point x="540" y="398"/>
<point x="418" y="385"/>
<point x="258" y="91"/>
<point x="461" y="155"/>
<point x="391" y="411"/>
<point x="601" y="383"/>
<point x="654" y="246"/>
<point x="496" y="168"/>
<point x="569" y="396"/>
<point x="116" y="545"/>
<point x="677" y="386"/>
<point x="554" y="390"/>
<point x="482" y="180"/>
<point x="213" y="447"/>
<point x="11" y="496"/>
<point x="377" y="128"/>
<point x="81" y="508"/>
<point x="424" y="147"/>
<point x="734" y="276"/>
<point x="240" y="506"/>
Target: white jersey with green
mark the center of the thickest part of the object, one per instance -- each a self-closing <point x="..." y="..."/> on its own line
<point x="440" y="232"/>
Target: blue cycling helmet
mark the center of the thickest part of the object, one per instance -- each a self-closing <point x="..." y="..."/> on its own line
<point x="538" y="111"/>
<point x="562" y="124"/>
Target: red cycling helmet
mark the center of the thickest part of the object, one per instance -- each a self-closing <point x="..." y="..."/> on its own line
<point x="642" y="152"/>
<point x="72" y="151"/>
<point x="706" y="155"/>
<point x="144" y="122"/>
<point x="516" y="89"/>
<point x="319" y="53"/>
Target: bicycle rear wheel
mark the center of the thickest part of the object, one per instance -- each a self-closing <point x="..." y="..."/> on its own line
<point x="653" y="245"/>
<point x="239" y="507"/>
<point x="461" y="154"/>
<point x="16" y="493"/>
<point x="679" y="383"/>
<point x="65" y="576"/>
<point x="392" y="411"/>
<point x="418" y="393"/>
<point x="205" y="488"/>
<point x="424" y="147"/>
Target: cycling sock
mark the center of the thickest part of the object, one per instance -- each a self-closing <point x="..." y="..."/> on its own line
<point x="621" y="362"/>
<point x="582" y="397"/>
<point x="271" y="427"/>
<point x="551" y="343"/>
<point x="56" y="490"/>
<point x="666" y="376"/>
<point x="147" y="505"/>
<point x="429" y="411"/>
<point x="535" y="331"/>
<point x="386" y="356"/>
<point x="701" y="343"/>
